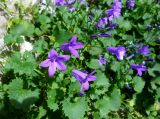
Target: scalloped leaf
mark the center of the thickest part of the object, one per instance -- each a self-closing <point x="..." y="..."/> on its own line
<point x="75" y="110"/>
<point x="22" y="64"/>
<point x="51" y="95"/>
<point x="19" y="97"/>
<point x="102" y="80"/>
<point x="109" y="103"/>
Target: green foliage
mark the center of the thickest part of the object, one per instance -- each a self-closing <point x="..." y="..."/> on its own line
<point x="109" y="103"/>
<point x="40" y="46"/>
<point x="19" y="97"/>
<point x="76" y="109"/>
<point x="26" y="91"/>
<point x="94" y="64"/>
<point x="22" y="64"/>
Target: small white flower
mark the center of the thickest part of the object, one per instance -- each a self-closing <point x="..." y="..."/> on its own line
<point x="26" y="46"/>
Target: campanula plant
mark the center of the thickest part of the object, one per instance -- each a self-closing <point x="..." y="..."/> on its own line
<point x="80" y="59"/>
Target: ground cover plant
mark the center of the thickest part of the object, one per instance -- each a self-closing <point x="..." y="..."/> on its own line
<point x="81" y="59"/>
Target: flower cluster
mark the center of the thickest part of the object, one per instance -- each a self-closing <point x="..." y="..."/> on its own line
<point x="112" y="13"/>
<point x="68" y="3"/>
<point x="55" y="61"/>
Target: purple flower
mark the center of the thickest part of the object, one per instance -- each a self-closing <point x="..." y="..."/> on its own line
<point x="102" y="60"/>
<point x="93" y="36"/>
<point x="112" y="26"/>
<point x="102" y="22"/>
<point x="105" y="35"/>
<point x="54" y="62"/>
<point x="139" y="67"/>
<point x="118" y="51"/>
<point x="71" y="9"/>
<point x="149" y="60"/>
<point x="72" y="46"/>
<point x="115" y="11"/>
<point x="59" y="2"/>
<point x="84" y="79"/>
<point x="130" y="4"/>
<point x="70" y="2"/>
<point x="144" y="50"/>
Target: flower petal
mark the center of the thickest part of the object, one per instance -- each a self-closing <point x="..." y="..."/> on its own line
<point x="64" y="58"/>
<point x="139" y="72"/>
<point x="74" y="52"/>
<point x="120" y="54"/>
<point x="85" y="85"/>
<point x="52" y="53"/>
<point x="81" y="93"/>
<point x="45" y="63"/>
<point x="61" y="66"/>
<point x="78" y="45"/>
<point x="112" y="49"/>
<point x="65" y="47"/>
<point x="91" y="78"/>
<point x="79" y="75"/>
<point x="52" y="69"/>
<point x="73" y="39"/>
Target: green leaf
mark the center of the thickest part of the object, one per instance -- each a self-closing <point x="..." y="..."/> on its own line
<point x="42" y="112"/>
<point x="43" y="19"/>
<point x="95" y="51"/>
<point x="75" y="110"/>
<point x="115" y="66"/>
<point x="155" y="82"/>
<point x="102" y="80"/>
<point x="19" y="97"/>
<point x="124" y="24"/>
<point x="138" y="84"/>
<point x="153" y="70"/>
<point x="74" y="87"/>
<point x="94" y="64"/>
<point x="23" y="28"/>
<point x="51" y="101"/>
<point x="109" y="103"/>
<point x="62" y="37"/>
<point x="107" y="41"/>
<point x="115" y="99"/>
<point x="9" y="38"/>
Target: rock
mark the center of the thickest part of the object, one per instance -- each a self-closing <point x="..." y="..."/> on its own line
<point x="26" y="3"/>
<point x="3" y="25"/>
